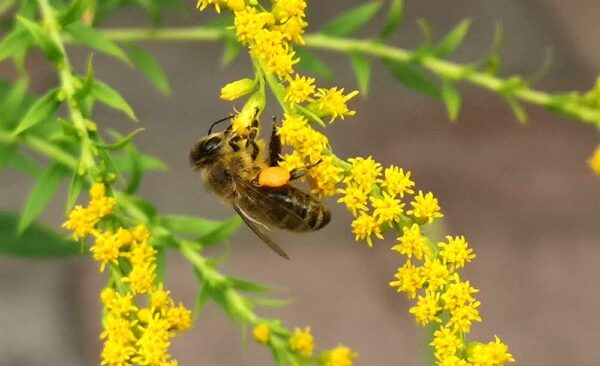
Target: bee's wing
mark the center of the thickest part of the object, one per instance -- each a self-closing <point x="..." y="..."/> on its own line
<point x="274" y="204"/>
<point x="259" y="229"/>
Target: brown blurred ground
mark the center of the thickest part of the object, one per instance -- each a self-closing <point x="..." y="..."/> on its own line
<point x="522" y="195"/>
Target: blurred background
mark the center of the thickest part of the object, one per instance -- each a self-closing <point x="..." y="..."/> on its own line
<point x="522" y="195"/>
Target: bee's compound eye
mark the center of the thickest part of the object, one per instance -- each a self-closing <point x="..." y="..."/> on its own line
<point x="275" y="177"/>
<point x="211" y="145"/>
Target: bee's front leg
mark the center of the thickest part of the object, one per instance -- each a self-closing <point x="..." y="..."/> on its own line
<point x="274" y="146"/>
<point x="301" y="172"/>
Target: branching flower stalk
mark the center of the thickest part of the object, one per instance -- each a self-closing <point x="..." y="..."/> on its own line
<point x="431" y="271"/>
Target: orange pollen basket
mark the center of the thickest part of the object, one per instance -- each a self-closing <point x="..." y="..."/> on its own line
<point x="274" y="176"/>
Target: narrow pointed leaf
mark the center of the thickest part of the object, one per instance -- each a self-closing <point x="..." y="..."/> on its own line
<point x="352" y="20"/>
<point x="75" y="188"/>
<point x="36" y="242"/>
<point x="150" y="68"/>
<point x="191" y="225"/>
<point x="249" y="286"/>
<point x="452" y="100"/>
<point x="517" y="109"/>
<point x="232" y="50"/>
<point x="201" y="299"/>
<point x="15" y="43"/>
<point x="221" y="233"/>
<point x="88" y="81"/>
<point x="362" y="70"/>
<point x="112" y="98"/>
<point x="161" y="265"/>
<point x="121" y="143"/>
<point x="93" y="38"/>
<point x="42" y="192"/>
<point x="394" y="19"/>
<point x="413" y="78"/>
<point x="453" y="39"/>
<point x="73" y="12"/>
<point x="311" y="64"/>
<point x="42" y="38"/>
<point x="40" y="110"/>
<point x="310" y="115"/>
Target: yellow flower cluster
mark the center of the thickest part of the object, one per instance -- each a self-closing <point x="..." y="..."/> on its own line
<point x="375" y="198"/>
<point x="270" y="36"/>
<point x="302" y="344"/>
<point x="132" y="334"/>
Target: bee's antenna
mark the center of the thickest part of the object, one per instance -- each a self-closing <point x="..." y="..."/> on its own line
<point x="219" y="121"/>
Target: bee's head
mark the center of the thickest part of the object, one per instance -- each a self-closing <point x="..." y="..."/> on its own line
<point x="207" y="149"/>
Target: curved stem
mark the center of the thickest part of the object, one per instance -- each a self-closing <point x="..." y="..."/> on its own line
<point x="442" y="68"/>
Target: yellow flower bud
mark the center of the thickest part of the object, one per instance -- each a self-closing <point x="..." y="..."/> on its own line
<point x="237" y="89"/>
<point x="261" y="333"/>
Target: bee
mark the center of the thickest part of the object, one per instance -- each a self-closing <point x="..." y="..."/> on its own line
<point x="234" y="168"/>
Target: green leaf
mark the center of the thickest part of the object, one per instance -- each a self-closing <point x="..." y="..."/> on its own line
<point x="310" y="115"/>
<point x="7" y="153"/>
<point x="517" y="109"/>
<point x="453" y="39"/>
<point x="248" y="286"/>
<point x="311" y="64"/>
<point x="137" y="207"/>
<point x="204" y="294"/>
<point x="34" y="243"/>
<point x="75" y="188"/>
<point x="42" y="109"/>
<point x="15" y="43"/>
<point x="88" y="81"/>
<point x="232" y="50"/>
<point x="73" y="12"/>
<point x="220" y="233"/>
<point x="136" y="169"/>
<point x="93" y="38"/>
<point x="112" y="98"/>
<point x="42" y="37"/>
<point x="352" y="20"/>
<point x="121" y="143"/>
<point x="191" y="225"/>
<point x="148" y="66"/>
<point x="452" y="99"/>
<point x="146" y="162"/>
<point x="161" y="265"/>
<point x="13" y="103"/>
<point x="362" y="70"/>
<point x="413" y="78"/>
<point x="25" y="165"/>
<point x="394" y="19"/>
<point x="40" y="195"/>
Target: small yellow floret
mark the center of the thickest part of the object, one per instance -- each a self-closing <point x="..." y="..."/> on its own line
<point x="302" y="342"/>
<point x="396" y="182"/>
<point x="412" y="242"/>
<point x="408" y="279"/>
<point x="364" y="227"/>
<point x="355" y="198"/>
<point x="387" y="209"/>
<point x="365" y="172"/>
<point x="299" y="89"/>
<point x="332" y="103"/>
<point x="594" y="161"/>
<point x="261" y="333"/>
<point x="340" y="356"/>
<point x="425" y="207"/>
<point x="427" y="309"/>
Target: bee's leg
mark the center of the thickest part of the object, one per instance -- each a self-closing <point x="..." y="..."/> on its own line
<point x="233" y="142"/>
<point x="301" y="172"/>
<point x="250" y="141"/>
<point x="274" y="146"/>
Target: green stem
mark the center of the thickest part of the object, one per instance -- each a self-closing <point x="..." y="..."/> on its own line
<point x="442" y="68"/>
<point x="68" y="84"/>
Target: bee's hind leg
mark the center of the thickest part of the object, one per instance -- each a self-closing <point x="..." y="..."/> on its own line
<point x="274" y="146"/>
<point x="301" y="172"/>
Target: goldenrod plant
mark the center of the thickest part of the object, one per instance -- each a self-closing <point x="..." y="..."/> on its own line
<point x="128" y="238"/>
